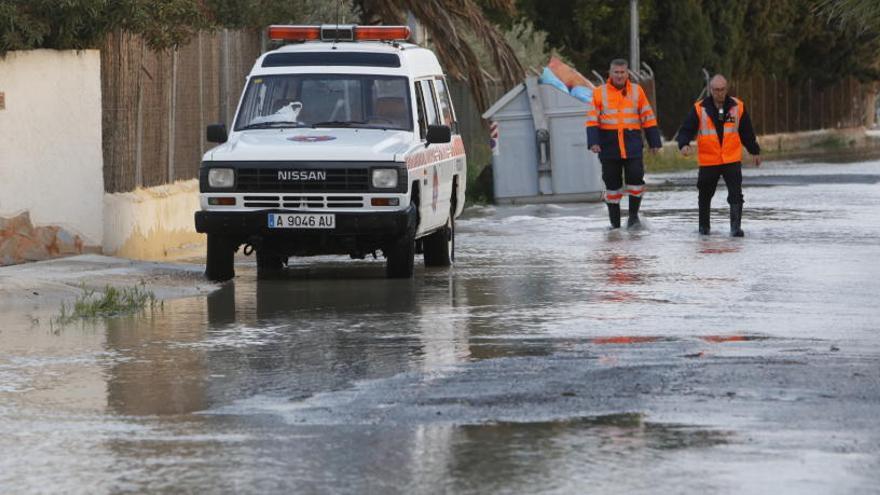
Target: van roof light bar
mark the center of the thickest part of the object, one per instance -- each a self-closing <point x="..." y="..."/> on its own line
<point x="382" y="33"/>
<point x="294" y="33"/>
<point x="342" y="32"/>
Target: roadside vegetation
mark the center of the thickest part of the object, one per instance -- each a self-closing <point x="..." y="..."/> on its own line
<point x="109" y="302"/>
<point x="479" y="183"/>
<point x="669" y="159"/>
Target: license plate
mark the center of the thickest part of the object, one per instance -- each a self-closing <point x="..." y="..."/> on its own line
<point x="302" y="221"/>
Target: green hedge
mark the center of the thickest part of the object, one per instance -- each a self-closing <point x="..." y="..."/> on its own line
<point x="78" y="24"/>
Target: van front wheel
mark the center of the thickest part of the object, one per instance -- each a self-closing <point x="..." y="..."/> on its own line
<point x="219" y="263"/>
<point x="400" y="257"/>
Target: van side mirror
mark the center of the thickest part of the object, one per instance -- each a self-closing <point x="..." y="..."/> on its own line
<point x="217" y="133"/>
<point x="438" y="134"/>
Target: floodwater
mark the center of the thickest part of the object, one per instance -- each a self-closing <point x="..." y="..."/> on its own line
<point x="555" y="357"/>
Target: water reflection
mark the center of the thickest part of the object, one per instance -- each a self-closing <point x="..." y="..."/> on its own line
<point x="623" y="271"/>
<point x="221" y="306"/>
<point x="442" y="323"/>
<point x="719" y="246"/>
<point x="155" y="377"/>
<point x="525" y="457"/>
<point x="320" y="299"/>
<point x="285" y="338"/>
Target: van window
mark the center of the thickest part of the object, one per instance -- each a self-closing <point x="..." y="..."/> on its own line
<point x="329" y="100"/>
<point x="331" y="58"/>
<point x="420" y="105"/>
<point x="447" y="116"/>
<point x="432" y="117"/>
<point x="332" y="99"/>
<point x="389" y="103"/>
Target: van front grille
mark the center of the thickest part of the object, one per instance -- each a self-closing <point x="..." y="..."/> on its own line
<point x="304" y="202"/>
<point x="296" y="180"/>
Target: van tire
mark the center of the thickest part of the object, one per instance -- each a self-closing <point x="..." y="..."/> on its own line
<point x="269" y="265"/>
<point x="400" y="257"/>
<point x="440" y="245"/>
<point x="219" y="265"/>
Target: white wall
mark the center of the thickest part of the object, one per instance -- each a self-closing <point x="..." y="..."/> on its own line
<point x="51" y="162"/>
<point x="155" y="223"/>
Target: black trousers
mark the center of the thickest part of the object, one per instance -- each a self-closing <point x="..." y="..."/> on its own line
<point x="615" y="169"/>
<point x="707" y="181"/>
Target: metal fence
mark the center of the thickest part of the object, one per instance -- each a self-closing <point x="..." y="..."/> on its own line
<point x="778" y="107"/>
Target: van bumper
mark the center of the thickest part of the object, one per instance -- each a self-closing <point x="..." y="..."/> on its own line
<point x="384" y="224"/>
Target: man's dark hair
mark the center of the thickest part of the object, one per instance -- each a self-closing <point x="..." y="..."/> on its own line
<point x="619" y="62"/>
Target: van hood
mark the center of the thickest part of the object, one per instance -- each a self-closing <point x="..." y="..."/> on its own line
<point x="307" y="144"/>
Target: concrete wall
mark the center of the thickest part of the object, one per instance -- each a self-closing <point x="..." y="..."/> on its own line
<point x="51" y="164"/>
<point x="794" y="141"/>
<point x="153" y="224"/>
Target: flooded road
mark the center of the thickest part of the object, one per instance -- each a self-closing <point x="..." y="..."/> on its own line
<point x="555" y="357"/>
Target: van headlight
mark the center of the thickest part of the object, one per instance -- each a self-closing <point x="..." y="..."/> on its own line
<point x="384" y="178"/>
<point x="221" y="177"/>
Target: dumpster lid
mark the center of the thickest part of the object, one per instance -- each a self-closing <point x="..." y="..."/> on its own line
<point x="503" y="101"/>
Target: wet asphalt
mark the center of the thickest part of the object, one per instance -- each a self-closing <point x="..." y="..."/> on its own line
<point x="555" y="357"/>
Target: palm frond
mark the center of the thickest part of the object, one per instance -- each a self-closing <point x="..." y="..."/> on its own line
<point x="441" y="18"/>
<point x="506" y="6"/>
<point x="863" y="15"/>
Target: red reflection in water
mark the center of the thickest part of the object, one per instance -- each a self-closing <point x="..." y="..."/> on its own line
<point x="624" y="340"/>
<point x="618" y="296"/>
<point x="623" y="270"/>
<point x="719" y="247"/>
<point x="717" y="339"/>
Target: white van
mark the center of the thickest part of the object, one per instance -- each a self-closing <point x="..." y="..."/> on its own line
<point x="344" y="142"/>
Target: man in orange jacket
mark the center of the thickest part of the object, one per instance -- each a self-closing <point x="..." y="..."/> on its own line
<point x="722" y="126"/>
<point x="616" y="117"/>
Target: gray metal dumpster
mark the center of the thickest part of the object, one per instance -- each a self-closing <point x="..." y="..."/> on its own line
<point x="540" y="153"/>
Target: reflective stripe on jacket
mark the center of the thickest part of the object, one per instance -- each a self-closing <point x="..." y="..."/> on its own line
<point x="711" y="150"/>
<point x="615" y="119"/>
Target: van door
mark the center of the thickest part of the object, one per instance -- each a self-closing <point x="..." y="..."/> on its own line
<point x="437" y="182"/>
<point x="457" y="164"/>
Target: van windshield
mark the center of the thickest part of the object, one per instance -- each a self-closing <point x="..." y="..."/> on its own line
<point x="326" y="100"/>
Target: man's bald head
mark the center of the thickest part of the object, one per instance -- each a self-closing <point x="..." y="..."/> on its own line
<point x="718" y="89"/>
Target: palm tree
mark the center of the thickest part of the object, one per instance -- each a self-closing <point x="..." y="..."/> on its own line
<point x="444" y="21"/>
<point x="864" y="15"/>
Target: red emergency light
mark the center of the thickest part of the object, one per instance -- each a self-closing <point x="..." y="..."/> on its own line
<point x="332" y="32"/>
<point x="294" y="33"/>
<point x="382" y="33"/>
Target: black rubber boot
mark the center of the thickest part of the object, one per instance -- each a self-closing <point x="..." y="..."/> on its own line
<point x="705" y="210"/>
<point x="634" y="203"/>
<point x="736" y="214"/>
<point x="614" y="214"/>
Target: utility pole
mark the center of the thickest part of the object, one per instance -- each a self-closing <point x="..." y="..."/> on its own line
<point x="634" y="62"/>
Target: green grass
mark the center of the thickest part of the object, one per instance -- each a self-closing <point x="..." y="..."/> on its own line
<point x="110" y="302"/>
<point x="831" y="142"/>
<point x="669" y="159"/>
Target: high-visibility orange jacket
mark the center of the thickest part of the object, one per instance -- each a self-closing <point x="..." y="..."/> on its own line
<point x="720" y="135"/>
<point x="616" y="118"/>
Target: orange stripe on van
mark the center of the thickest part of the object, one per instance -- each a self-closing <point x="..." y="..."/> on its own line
<point x="453" y="149"/>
